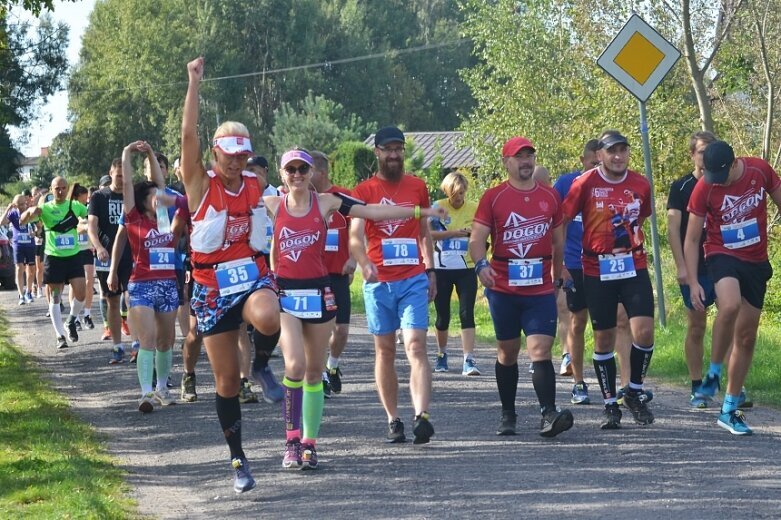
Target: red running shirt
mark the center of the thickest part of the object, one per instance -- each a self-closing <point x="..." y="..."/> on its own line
<point x="521" y="223"/>
<point x="153" y="252"/>
<point x="736" y="214"/>
<point x="394" y="245"/>
<point x="337" y="248"/>
<point x="613" y="215"/>
<point x="299" y="242"/>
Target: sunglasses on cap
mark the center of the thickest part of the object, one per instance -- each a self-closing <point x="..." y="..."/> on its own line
<point x="303" y="169"/>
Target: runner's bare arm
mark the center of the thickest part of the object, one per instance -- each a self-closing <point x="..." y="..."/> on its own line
<point x="196" y="182"/>
<point x="358" y="249"/>
<point x="478" y="251"/>
<point x="691" y="253"/>
<point x="557" y="255"/>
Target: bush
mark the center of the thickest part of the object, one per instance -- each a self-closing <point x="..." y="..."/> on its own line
<point x="353" y="162"/>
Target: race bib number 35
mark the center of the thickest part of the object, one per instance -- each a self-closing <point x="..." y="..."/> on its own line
<point x="742" y="234"/>
<point x="236" y="276"/>
<point x="302" y="303"/>
<point x="524" y="273"/>
<point x="399" y="251"/>
<point x="616" y="267"/>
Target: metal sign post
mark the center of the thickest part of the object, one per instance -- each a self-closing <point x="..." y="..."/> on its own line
<point x="639" y="58"/>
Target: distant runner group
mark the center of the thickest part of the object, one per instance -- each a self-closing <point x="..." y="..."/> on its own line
<point x="239" y="263"/>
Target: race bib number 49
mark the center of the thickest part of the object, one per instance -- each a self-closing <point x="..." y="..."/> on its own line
<point x="236" y="276"/>
<point x="616" y="267"/>
<point x="399" y="251"/>
<point x="742" y="234"/>
<point x="524" y="273"/>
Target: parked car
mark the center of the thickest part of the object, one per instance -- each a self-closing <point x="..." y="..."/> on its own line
<point x="7" y="271"/>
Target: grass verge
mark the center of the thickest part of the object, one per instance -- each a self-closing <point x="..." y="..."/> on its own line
<point x="51" y="464"/>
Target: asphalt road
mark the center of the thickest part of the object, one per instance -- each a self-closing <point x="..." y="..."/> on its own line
<point x="682" y="466"/>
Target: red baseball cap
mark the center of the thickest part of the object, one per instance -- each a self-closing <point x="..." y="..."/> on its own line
<point x="515" y="145"/>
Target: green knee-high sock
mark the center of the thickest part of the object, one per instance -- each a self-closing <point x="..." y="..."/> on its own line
<point x="312" y="411"/>
<point x="163" y="363"/>
<point x="144" y="366"/>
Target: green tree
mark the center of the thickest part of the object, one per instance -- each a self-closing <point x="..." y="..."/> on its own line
<point x="353" y="162"/>
<point x="316" y="123"/>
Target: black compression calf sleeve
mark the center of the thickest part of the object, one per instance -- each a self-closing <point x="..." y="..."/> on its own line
<point x="507" y="382"/>
<point x="605" y="367"/>
<point x="264" y="345"/>
<point x="544" y="381"/>
<point x="639" y="360"/>
<point x="229" y="414"/>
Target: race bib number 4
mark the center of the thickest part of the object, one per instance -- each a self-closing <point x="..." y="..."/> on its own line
<point x="161" y="258"/>
<point x="399" y="251"/>
<point x="455" y="246"/>
<point x="302" y="303"/>
<point x="616" y="267"/>
<point x="236" y="276"/>
<point x="64" y="241"/>
<point x="332" y="240"/>
<point x="742" y="234"/>
<point x="524" y="273"/>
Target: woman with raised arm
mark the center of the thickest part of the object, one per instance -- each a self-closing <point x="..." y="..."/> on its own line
<point x="308" y="304"/>
<point x="231" y="280"/>
<point x="153" y="299"/>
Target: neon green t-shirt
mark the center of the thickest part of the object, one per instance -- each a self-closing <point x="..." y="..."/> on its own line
<point x="452" y="253"/>
<point x="66" y="244"/>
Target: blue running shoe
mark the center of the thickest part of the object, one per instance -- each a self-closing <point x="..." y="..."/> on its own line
<point x="698" y="402"/>
<point x="470" y="368"/>
<point x="441" y="364"/>
<point x="734" y="422"/>
<point x="243" y="480"/>
<point x="744" y="401"/>
<point x="580" y="394"/>
<point x="117" y="355"/>
<point x="272" y="390"/>
<point x="709" y="387"/>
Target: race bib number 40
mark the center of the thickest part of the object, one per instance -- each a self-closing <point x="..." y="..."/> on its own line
<point x="616" y="267"/>
<point x="524" y="273"/>
<point x="399" y="251"/>
<point x="302" y="303"/>
<point x="161" y="258"/>
<point x="236" y="276"/>
<point x="455" y="246"/>
<point x="742" y="234"/>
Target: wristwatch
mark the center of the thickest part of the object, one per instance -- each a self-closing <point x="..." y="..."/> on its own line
<point x="558" y="283"/>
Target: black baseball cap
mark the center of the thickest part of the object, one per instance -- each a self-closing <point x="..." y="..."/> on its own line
<point x="611" y="139"/>
<point x="104" y="181"/>
<point x="389" y="134"/>
<point x="717" y="159"/>
<point x="258" y="160"/>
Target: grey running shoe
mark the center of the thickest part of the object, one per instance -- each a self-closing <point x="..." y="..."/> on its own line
<point x="555" y="421"/>
<point x="188" y="388"/>
<point x="62" y="343"/>
<point x="638" y="407"/>
<point x="246" y="395"/>
<point x="507" y="423"/>
<point x="243" y="480"/>
<point x="396" y="432"/>
<point x="612" y="417"/>
<point x="147" y="403"/>
<point x="272" y="390"/>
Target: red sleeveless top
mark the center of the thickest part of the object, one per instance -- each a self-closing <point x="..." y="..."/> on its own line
<point x="299" y="242"/>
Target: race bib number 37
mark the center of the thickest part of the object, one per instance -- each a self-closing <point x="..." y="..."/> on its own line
<point x="524" y="273"/>
<point x="236" y="276"/>
<point x="399" y="251"/>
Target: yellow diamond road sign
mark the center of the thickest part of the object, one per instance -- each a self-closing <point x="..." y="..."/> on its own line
<point x="639" y="58"/>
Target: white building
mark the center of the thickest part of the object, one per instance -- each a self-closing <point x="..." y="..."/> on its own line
<point x="27" y="165"/>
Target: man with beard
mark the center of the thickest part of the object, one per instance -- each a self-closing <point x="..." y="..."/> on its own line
<point x="523" y="218"/>
<point x="397" y="267"/>
<point x="615" y="271"/>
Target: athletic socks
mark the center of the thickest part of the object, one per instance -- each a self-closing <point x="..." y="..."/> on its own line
<point x="264" y="345"/>
<point x="312" y="410"/>
<point x="229" y="414"/>
<point x="639" y="360"/>
<point x="56" y="316"/>
<point x="696" y="384"/>
<point x="76" y="307"/>
<point x="145" y="363"/>
<point x="730" y="403"/>
<point x="715" y="369"/>
<point x="507" y="383"/>
<point x="333" y="362"/>
<point x="605" y="367"/>
<point x="544" y="381"/>
<point x="163" y="363"/>
<point x="294" y="391"/>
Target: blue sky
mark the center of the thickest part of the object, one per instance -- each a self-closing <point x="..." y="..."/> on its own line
<point x="53" y="117"/>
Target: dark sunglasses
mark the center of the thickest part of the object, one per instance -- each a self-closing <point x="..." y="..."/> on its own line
<point x="302" y="169"/>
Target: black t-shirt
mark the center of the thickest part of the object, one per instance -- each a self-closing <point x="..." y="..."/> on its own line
<point x="107" y="206"/>
<point x="680" y="193"/>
